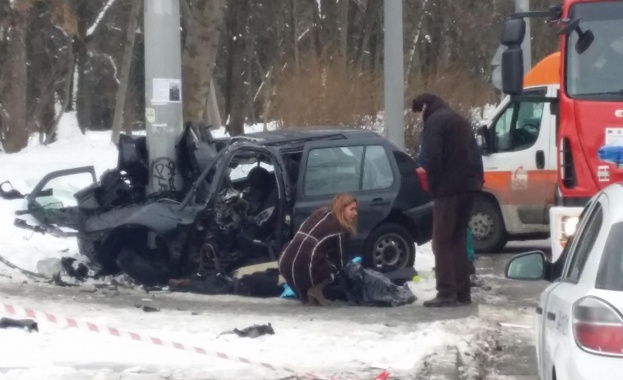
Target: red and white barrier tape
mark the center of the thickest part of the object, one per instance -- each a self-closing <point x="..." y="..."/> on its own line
<point x="71" y="322"/>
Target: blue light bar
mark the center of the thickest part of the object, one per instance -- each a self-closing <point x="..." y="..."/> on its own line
<point x="611" y="153"/>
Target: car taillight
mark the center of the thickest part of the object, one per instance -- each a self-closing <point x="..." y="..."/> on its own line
<point x="421" y="173"/>
<point x="598" y="327"/>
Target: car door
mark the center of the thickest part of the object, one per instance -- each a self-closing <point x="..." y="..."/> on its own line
<point x="53" y="199"/>
<point x="518" y="169"/>
<point x="557" y="311"/>
<point x="363" y="167"/>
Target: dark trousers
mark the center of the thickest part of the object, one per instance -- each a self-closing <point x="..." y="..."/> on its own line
<point x="450" y="220"/>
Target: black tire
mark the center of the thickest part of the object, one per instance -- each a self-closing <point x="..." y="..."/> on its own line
<point x="86" y="248"/>
<point x="389" y="247"/>
<point x="487" y="226"/>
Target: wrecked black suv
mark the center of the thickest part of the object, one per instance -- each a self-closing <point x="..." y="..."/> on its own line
<point x="241" y="200"/>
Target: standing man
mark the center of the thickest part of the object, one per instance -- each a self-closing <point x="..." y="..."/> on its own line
<point x="451" y="160"/>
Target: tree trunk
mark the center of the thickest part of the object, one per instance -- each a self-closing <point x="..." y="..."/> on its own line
<point x="265" y="88"/>
<point x="125" y="71"/>
<point x="317" y="26"/>
<point x="295" y="35"/>
<point x="237" y="88"/>
<point x="83" y="91"/>
<point x="214" y="115"/>
<point x="51" y="132"/>
<point x="344" y="5"/>
<point x="16" y="131"/>
<point x="368" y="28"/>
<point x="70" y="95"/>
<point x="250" y="46"/>
<point x="413" y="60"/>
<point x="199" y="56"/>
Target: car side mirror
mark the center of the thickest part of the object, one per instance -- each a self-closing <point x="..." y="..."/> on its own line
<point x="529" y="266"/>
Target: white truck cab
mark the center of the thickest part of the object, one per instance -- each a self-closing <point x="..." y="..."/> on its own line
<point x="518" y="144"/>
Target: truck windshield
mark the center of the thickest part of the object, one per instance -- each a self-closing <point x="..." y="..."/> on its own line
<point x="597" y="73"/>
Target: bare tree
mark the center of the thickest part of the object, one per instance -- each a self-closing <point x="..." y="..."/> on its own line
<point x="343" y="29"/>
<point x="295" y="34"/>
<point x="236" y="87"/>
<point x="125" y="71"/>
<point x="204" y="23"/>
<point x="14" y="103"/>
<point x="371" y="16"/>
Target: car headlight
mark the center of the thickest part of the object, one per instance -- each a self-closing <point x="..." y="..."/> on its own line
<point x="569" y="225"/>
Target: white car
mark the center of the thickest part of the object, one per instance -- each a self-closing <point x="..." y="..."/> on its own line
<point x="579" y="324"/>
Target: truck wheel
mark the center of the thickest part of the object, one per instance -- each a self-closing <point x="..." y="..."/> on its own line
<point x="389" y="247"/>
<point x="487" y="226"/>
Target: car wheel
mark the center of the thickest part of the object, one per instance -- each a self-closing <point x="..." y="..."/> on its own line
<point x="487" y="226"/>
<point x="86" y="248"/>
<point x="389" y="247"/>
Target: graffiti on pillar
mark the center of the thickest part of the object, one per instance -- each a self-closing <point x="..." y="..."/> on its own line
<point x="163" y="172"/>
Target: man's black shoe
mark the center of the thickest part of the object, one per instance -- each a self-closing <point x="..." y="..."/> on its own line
<point x="464" y="301"/>
<point x="440" y="302"/>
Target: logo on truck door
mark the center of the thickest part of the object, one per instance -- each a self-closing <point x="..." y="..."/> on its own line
<point x="618" y="113"/>
<point x="519" y="180"/>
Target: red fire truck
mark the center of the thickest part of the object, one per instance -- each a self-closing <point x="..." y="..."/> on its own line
<point x="589" y="103"/>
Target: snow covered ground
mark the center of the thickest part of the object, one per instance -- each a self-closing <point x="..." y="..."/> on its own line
<point x="352" y="349"/>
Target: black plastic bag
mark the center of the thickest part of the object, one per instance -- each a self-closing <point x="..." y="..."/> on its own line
<point x="24" y="324"/>
<point x="371" y="288"/>
<point x="260" y="284"/>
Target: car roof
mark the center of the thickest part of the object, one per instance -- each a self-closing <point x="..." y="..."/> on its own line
<point x="298" y="137"/>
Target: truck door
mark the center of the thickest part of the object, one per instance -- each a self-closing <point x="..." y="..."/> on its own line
<point x="518" y="170"/>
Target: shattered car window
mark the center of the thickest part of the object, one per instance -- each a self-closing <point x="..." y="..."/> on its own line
<point x="340" y="169"/>
<point x="59" y="192"/>
<point x="242" y="171"/>
<point x="377" y="171"/>
<point x="333" y="170"/>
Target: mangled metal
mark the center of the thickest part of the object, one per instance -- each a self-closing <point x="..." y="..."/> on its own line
<point x="237" y="205"/>
<point x="171" y="234"/>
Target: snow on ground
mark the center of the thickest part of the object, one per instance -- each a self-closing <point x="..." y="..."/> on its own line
<point x="56" y="352"/>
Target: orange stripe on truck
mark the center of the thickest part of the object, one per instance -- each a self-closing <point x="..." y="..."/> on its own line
<point x="523" y="187"/>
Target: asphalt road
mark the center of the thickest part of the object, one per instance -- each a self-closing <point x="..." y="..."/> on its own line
<point x="508" y="352"/>
<point x="511" y="305"/>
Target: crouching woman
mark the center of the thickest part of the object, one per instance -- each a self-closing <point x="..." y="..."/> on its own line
<point x="319" y="249"/>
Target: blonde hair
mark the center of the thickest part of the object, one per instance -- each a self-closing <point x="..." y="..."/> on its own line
<point x="339" y="203"/>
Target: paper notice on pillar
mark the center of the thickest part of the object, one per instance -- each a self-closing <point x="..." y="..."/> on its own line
<point x="159" y="129"/>
<point x="166" y="91"/>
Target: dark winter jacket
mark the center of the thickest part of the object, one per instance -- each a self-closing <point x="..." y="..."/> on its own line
<point x="450" y="153"/>
<point x="316" y="252"/>
<point x="421" y="158"/>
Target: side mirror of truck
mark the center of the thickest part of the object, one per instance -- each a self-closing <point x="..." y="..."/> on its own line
<point x="513" y="33"/>
<point x="585" y="38"/>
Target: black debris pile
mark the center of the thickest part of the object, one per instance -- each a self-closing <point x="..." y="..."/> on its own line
<point x="262" y="284"/>
<point x="360" y="286"/>
<point x="8" y="192"/>
<point x="252" y="331"/>
<point x="24" y="324"/>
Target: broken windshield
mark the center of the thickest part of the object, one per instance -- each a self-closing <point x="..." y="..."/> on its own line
<point x="597" y="72"/>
